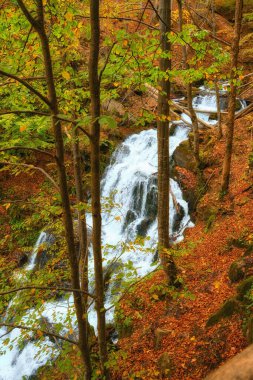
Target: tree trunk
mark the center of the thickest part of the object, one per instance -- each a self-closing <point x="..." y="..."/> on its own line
<point x="95" y="182"/>
<point x="194" y="119"/>
<point x="82" y="226"/>
<point x="39" y="26"/>
<point x="232" y="99"/>
<point x="163" y="146"/>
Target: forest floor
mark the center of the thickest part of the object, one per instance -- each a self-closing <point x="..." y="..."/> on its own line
<point x="204" y="258"/>
<point x="174" y="322"/>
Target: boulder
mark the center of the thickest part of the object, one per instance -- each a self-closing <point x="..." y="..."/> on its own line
<point x="238" y="368"/>
<point x="143" y="227"/>
<point x="183" y="157"/>
<point x="241" y="269"/>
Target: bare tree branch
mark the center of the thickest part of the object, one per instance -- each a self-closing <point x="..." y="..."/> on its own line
<point x="27" y="85"/>
<point x="106" y="62"/>
<point x="27" y="148"/>
<point x="15" y="290"/>
<point x="34" y="168"/>
<point x="26" y="112"/>
<point x="47" y="333"/>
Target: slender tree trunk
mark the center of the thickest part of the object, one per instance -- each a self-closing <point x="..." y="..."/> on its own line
<point x="232" y="99"/>
<point x="95" y="182"/>
<point x="163" y="146"/>
<point x="39" y="26"/>
<point x="82" y="226"/>
<point x="194" y="119"/>
<point x="195" y="126"/>
<point x="217" y="91"/>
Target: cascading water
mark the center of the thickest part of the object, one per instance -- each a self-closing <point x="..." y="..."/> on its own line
<point x="129" y="188"/>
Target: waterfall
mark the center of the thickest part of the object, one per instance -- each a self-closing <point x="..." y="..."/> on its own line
<point x="129" y="197"/>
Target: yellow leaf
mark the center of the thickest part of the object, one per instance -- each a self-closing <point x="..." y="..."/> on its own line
<point x="33" y="291"/>
<point x="66" y="75"/>
<point x="117" y="218"/>
<point x="23" y="128"/>
<point x="125" y="43"/>
<point x="7" y="205"/>
<point x="39" y="333"/>
<point x="69" y="16"/>
<point x="71" y="331"/>
<point x="217" y="284"/>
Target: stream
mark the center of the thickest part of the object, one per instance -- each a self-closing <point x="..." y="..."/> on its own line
<point x="129" y="195"/>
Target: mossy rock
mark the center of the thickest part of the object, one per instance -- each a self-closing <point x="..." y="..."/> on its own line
<point x="240" y="269"/>
<point x="236" y="271"/>
<point x="244" y="287"/>
<point x="184" y="158"/>
<point x="165" y="365"/>
<point x="230" y="307"/>
<point x="249" y="330"/>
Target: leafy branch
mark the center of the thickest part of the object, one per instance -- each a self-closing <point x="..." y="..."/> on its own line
<point x="38" y="330"/>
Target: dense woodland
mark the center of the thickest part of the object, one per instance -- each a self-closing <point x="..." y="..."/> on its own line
<point x="147" y="273"/>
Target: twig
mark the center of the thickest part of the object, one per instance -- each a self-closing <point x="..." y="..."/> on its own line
<point x="35" y="168"/>
<point x="28" y="148"/>
<point x="27" y="85"/>
<point x="15" y="290"/>
<point x="47" y="333"/>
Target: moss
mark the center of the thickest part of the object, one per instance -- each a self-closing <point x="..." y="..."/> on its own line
<point x="244" y="287"/>
<point x="249" y="330"/>
<point x="228" y="308"/>
<point x="236" y="272"/>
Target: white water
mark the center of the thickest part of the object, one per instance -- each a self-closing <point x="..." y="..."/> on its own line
<point x="207" y="102"/>
<point x="129" y="189"/>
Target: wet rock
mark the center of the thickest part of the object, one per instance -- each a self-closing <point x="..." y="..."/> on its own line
<point x="44" y="253"/>
<point x="137" y="196"/>
<point x="22" y="260"/>
<point x="178" y="218"/>
<point x="152" y="199"/>
<point x="143" y="227"/>
<point x="165" y="365"/>
<point x="130" y="217"/>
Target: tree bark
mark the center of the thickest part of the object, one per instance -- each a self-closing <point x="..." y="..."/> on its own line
<point x="163" y="146"/>
<point x="39" y="26"/>
<point x="232" y="99"/>
<point x="95" y="183"/>
<point x="193" y="116"/>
